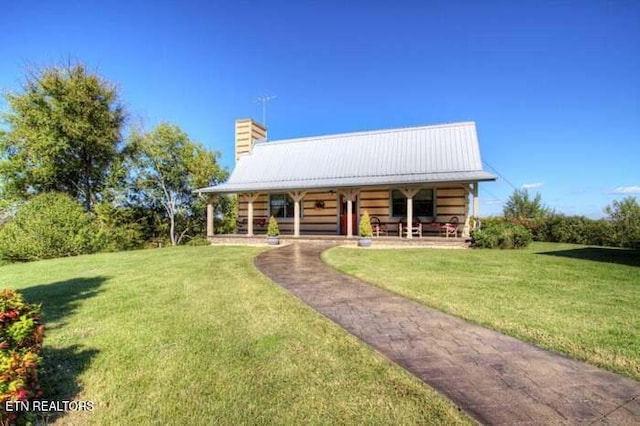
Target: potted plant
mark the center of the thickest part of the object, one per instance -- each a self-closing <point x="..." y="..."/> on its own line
<point x="366" y="232"/>
<point x="273" y="232"/>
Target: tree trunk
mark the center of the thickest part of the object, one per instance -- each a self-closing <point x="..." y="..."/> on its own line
<point x="172" y="231"/>
<point x="86" y="179"/>
<point x="88" y="195"/>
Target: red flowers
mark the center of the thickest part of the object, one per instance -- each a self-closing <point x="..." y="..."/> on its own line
<point x="21" y="335"/>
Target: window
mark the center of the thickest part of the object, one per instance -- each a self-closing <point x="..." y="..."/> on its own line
<point x="281" y="206"/>
<point x="422" y="203"/>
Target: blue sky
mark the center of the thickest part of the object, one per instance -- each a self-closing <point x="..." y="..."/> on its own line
<point x="554" y="86"/>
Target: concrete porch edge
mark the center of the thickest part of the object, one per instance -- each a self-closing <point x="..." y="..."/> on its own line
<point x="384" y="242"/>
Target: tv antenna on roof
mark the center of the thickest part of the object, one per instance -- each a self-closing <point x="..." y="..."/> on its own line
<point x="263" y="100"/>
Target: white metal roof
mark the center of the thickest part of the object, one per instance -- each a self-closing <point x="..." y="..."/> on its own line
<point x="413" y="155"/>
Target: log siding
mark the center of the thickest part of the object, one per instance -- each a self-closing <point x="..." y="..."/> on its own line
<point x="320" y="210"/>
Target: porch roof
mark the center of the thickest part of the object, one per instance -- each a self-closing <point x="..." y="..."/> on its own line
<point x="406" y="156"/>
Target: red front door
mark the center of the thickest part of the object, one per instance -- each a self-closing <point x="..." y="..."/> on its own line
<point x="343" y="216"/>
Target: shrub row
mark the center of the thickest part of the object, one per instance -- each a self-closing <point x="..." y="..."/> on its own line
<point x="21" y="335"/>
<point x="558" y="228"/>
<point x="576" y="230"/>
<point x="501" y="235"/>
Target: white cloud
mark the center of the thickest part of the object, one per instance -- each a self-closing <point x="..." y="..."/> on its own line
<point x="635" y="189"/>
<point x="532" y="185"/>
<point x="490" y="202"/>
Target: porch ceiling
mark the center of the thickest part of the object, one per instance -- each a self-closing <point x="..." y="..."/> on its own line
<point x="350" y="182"/>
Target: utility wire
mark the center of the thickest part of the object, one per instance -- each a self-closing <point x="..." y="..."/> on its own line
<point x="500" y="175"/>
<point x="493" y="195"/>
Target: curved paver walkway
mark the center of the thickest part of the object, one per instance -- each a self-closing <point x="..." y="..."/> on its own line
<point x="493" y="377"/>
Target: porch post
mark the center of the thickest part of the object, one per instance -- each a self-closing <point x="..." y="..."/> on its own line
<point x="409" y="217"/>
<point x="349" y="216"/>
<point x="475" y="200"/>
<point x="210" y="229"/>
<point x="249" y="217"/>
<point x="297" y="197"/>
<point x="349" y="196"/>
<point x="409" y="193"/>
<point x="250" y="198"/>
<point x="466" y="231"/>
<point x="338" y="212"/>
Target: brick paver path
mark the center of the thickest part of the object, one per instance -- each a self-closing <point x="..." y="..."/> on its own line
<point x="493" y="377"/>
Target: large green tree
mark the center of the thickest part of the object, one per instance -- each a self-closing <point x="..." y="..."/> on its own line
<point x="170" y="166"/>
<point x="521" y="205"/>
<point x="64" y="133"/>
<point x="625" y="217"/>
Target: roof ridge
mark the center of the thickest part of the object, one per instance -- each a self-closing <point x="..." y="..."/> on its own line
<point x="367" y="132"/>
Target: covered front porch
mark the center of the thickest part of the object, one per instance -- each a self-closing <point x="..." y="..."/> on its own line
<point x="438" y="210"/>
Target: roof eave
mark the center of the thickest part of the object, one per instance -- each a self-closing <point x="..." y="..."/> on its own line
<point x="264" y="187"/>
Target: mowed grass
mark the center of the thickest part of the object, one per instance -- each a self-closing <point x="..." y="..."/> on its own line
<point x="580" y="301"/>
<point x="196" y="335"/>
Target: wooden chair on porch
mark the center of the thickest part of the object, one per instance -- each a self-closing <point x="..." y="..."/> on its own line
<point x="452" y="227"/>
<point x="415" y="229"/>
<point x="378" y="227"/>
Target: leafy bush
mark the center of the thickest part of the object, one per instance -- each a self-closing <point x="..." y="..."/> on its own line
<point x="621" y="229"/>
<point x="491" y="221"/>
<point x="484" y="238"/>
<point x="21" y="335"/>
<point x="225" y="216"/>
<point x="502" y="235"/>
<point x="568" y="229"/>
<point x="272" y="229"/>
<point x="198" y="241"/>
<point x="119" y="227"/>
<point x="625" y="219"/>
<point x="521" y="205"/>
<point x="365" y="226"/>
<point x="558" y="228"/>
<point x="534" y="225"/>
<point x="50" y="225"/>
<point x="599" y="233"/>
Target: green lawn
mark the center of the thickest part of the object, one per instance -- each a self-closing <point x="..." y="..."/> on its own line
<point x="196" y="335"/>
<point x="581" y="301"/>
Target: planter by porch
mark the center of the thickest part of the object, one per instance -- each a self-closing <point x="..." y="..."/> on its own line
<point x="273" y="232"/>
<point x="365" y="242"/>
<point x="366" y="232"/>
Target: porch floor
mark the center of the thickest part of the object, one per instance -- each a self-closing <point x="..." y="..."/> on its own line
<point x="431" y="241"/>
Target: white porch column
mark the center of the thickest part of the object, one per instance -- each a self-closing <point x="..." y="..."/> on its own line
<point x="473" y="214"/>
<point x="475" y="201"/>
<point x="210" y="230"/>
<point x="297" y="198"/>
<point x="250" y="198"/>
<point x="349" y="218"/>
<point x="350" y="197"/>
<point x="250" y="217"/>
<point x="409" y="193"/>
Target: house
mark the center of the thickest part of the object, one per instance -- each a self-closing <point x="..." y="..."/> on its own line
<point x="323" y="184"/>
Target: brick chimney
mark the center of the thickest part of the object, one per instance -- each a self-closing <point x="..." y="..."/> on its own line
<point x="248" y="132"/>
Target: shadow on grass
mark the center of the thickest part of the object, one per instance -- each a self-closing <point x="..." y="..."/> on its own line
<point x="59" y="375"/>
<point x="62" y="366"/>
<point x="62" y="298"/>
<point x="628" y="257"/>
